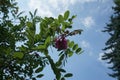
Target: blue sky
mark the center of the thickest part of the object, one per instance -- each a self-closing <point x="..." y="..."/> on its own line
<point x="92" y="16"/>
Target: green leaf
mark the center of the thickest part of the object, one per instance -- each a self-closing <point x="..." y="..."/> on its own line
<point x="18" y="55"/>
<point x="54" y="68"/>
<point x="40" y="75"/>
<point x="41" y="47"/>
<point x="66" y="15"/>
<point x="75" y="47"/>
<point x="70" y="54"/>
<point x="47" y="41"/>
<point x="78" y="50"/>
<point x="61" y="57"/>
<point x="63" y="78"/>
<point x="35" y="65"/>
<point x="39" y="70"/>
<point x="35" y="12"/>
<point x="58" y="63"/>
<point x="62" y="70"/>
<point x="68" y="75"/>
<point x="70" y="19"/>
<point x="71" y="44"/>
<point x="33" y="78"/>
<point x="63" y="28"/>
<point x="37" y="38"/>
<point x="29" y="24"/>
<point x="60" y="18"/>
<point x="31" y="14"/>
<point x="20" y="13"/>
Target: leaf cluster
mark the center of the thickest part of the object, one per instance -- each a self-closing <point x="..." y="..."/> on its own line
<point x="24" y="45"/>
<point x="112" y="49"/>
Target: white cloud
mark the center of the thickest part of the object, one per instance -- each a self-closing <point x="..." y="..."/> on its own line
<point x="85" y="44"/>
<point x="88" y="22"/>
<point x="43" y="8"/>
<point x="87" y="47"/>
<point x="100" y="57"/>
<point x="103" y="1"/>
<point x="84" y="1"/>
<point x="50" y="7"/>
<point x="53" y="7"/>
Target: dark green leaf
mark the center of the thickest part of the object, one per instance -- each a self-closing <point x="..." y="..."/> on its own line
<point x="35" y="12"/>
<point x="18" y="55"/>
<point x="58" y="63"/>
<point x="62" y="70"/>
<point x="20" y="13"/>
<point x="78" y="50"/>
<point x="31" y="14"/>
<point x="39" y="70"/>
<point x="35" y="65"/>
<point x="61" y="57"/>
<point x="75" y="47"/>
<point x="66" y="15"/>
<point x="68" y="75"/>
<point x="33" y="78"/>
<point x="63" y="78"/>
<point x="70" y="19"/>
<point x="40" y="75"/>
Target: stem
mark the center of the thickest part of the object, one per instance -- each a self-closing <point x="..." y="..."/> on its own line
<point x="54" y="68"/>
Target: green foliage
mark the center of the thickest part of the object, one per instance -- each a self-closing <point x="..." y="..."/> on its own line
<point x="66" y="15"/>
<point x="112" y="49"/>
<point x="18" y="55"/>
<point x="68" y="75"/>
<point x="39" y="70"/>
<point x="25" y="51"/>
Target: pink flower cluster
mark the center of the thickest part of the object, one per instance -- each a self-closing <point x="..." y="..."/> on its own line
<point x="61" y="43"/>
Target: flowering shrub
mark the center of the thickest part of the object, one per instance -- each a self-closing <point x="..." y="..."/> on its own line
<point x="17" y="61"/>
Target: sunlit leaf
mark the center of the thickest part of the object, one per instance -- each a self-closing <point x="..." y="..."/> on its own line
<point x="60" y="18"/>
<point x="70" y="53"/>
<point x="29" y="24"/>
<point x="41" y="47"/>
<point x="75" y="46"/>
<point x="47" y="41"/>
<point x="66" y="15"/>
<point x="71" y="44"/>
